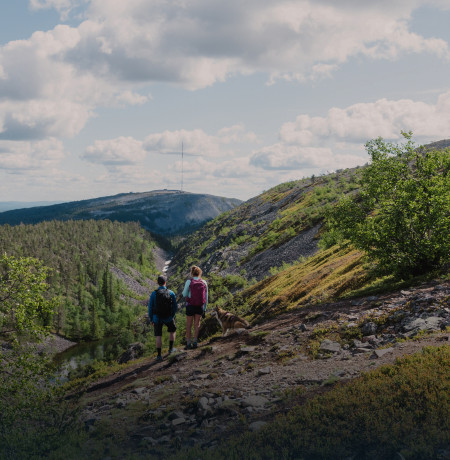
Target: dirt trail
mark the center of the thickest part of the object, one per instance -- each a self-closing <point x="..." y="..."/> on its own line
<point x="241" y="380"/>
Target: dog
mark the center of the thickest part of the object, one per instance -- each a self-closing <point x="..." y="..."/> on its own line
<point x="229" y="321"/>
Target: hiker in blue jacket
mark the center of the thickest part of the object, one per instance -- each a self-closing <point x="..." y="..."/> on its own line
<point x="196" y="293"/>
<point x="162" y="308"/>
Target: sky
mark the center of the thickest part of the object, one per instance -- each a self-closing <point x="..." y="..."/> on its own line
<point x="99" y="97"/>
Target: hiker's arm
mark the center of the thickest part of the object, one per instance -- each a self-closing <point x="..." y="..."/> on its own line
<point x="186" y="288"/>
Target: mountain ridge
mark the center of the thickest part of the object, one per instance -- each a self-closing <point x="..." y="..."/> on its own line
<point x="162" y="212"/>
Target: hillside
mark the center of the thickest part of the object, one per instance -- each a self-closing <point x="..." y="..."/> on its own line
<point x="279" y="227"/>
<point x="235" y="391"/>
<point x="162" y="212"/>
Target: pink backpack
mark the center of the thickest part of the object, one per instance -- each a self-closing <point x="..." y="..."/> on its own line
<point x="198" y="293"/>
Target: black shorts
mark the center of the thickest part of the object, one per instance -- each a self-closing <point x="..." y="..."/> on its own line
<point x="158" y="327"/>
<point x="191" y="310"/>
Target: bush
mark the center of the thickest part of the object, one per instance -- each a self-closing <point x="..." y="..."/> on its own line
<point x="401" y="218"/>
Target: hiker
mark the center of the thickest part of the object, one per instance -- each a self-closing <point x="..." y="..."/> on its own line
<point x="196" y="293"/>
<point x="162" y="307"/>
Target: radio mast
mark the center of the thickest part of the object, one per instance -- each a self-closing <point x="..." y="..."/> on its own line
<point x="182" y="165"/>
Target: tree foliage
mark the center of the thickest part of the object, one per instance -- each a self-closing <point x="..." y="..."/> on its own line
<point x="80" y="254"/>
<point x="31" y="415"/>
<point x="23" y="306"/>
<point x="401" y="217"/>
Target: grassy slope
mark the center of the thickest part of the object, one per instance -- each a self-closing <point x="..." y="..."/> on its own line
<point x="324" y="277"/>
<point x="396" y="409"/>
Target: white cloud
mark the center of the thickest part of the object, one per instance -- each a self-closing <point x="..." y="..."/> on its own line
<point x="337" y="140"/>
<point x="122" y="46"/>
<point x="63" y="6"/>
<point x="197" y="142"/>
<point x="360" y="122"/>
<point x="198" y="43"/>
<point x="21" y="157"/>
<point x="115" y="152"/>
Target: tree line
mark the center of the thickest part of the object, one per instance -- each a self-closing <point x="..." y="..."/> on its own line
<point x="90" y="302"/>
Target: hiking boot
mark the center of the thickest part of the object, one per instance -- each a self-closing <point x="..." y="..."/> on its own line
<point x="159" y="358"/>
<point x="173" y="350"/>
<point x="194" y="345"/>
<point x="188" y="346"/>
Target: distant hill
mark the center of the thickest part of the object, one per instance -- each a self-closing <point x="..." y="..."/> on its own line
<point x="9" y="205"/>
<point x="163" y="212"/>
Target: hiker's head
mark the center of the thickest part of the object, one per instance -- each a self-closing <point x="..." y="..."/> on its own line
<point x="196" y="271"/>
<point x="162" y="280"/>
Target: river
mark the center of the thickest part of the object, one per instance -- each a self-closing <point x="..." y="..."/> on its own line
<point x="86" y="353"/>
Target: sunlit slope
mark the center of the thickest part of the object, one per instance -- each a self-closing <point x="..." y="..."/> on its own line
<point x="324" y="277"/>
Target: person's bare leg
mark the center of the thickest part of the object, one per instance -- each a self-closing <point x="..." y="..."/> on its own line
<point x="197" y="319"/>
<point x="188" y="327"/>
<point x="188" y="330"/>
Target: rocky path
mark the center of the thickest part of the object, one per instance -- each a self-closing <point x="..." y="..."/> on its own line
<point x="241" y="381"/>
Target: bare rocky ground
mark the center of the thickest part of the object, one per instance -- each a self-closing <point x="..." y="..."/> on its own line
<point x="241" y="381"/>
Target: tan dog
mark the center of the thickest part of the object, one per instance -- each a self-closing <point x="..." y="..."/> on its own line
<point x="228" y="320"/>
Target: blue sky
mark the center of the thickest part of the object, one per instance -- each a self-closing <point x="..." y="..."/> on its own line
<point x="97" y="96"/>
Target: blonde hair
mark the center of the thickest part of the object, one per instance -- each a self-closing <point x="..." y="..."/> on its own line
<point x="196" y="271"/>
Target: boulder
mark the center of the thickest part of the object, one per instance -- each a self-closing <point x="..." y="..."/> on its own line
<point x="369" y="328"/>
<point x="382" y="352"/>
<point x="256" y="426"/>
<point x="254" y="401"/>
<point x="328" y="345"/>
<point x="134" y="351"/>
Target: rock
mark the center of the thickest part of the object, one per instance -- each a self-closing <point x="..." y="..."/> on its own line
<point x="264" y="371"/>
<point x="356" y="303"/>
<point x="254" y="401"/>
<point x="178" y="356"/>
<point x="328" y="345"/>
<point x="228" y="405"/>
<point x="382" y="352"/>
<point x="362" y="350"/>
<point x="369" y="328"/>
<point x="134" y="351"/>
<point x="231" y="371"/>
<point x="247" y="349"/>
<point x="203" y="403"/>
<point x="120" y="403"/>
<point x="178" y="421"/>
<point x="358" y="344"/>
<point x="423" y="324"/>
<point x="256" y="426"/>
<point x="139" y="391"/>
<point x="175" y="415"/>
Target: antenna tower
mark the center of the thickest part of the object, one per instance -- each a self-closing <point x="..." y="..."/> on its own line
<point x="182" y="165"/>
